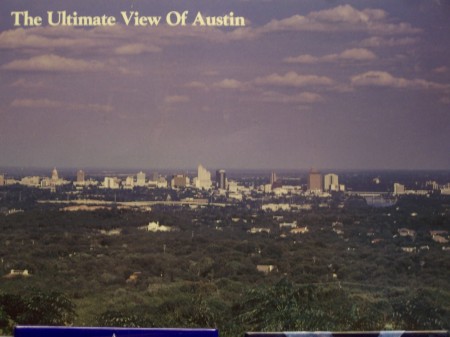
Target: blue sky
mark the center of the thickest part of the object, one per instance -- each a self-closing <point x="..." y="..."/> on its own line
<point x="326" y="84"/>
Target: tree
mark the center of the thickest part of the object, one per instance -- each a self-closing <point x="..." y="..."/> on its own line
<point x="282" y="307"/>
<point x="52" y="308"/>
<point x="420" y="311"/>
<point x="112" y="318"/>
<point x="286" y="307"/>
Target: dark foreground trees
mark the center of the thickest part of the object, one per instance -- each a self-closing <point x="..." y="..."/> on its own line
<point x="284" y="306"/>
<point x="289" y="307"/>
<point x="37" y="308"/>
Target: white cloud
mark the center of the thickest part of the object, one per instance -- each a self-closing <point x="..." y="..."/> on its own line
<point x="377" y="41"/>
<point x="52" y="62"/>
<point x="176" y="99"/>
<point x="230" y="84"/>
<point x="385" y="79"/>
<point x="348" y="14"/>
<point x="337" y="19"/>
<point x="136" y="49"/>
<point x="441" y="70"/>
<point x="196" y="85"/>
<point x="44" y="38"/>
<point x="45" y="103"/>
<point x="35" y="103"/>
<point x="106" y="40"/>
<point x="356" y="54"/>
<point x="210" y="73"/>
<point x="292" y="79"/>
<point x="23" y="83"/>
<point x="300" y="98"/>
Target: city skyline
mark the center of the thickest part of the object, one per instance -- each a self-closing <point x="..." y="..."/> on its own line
<point x="326" y="84"/>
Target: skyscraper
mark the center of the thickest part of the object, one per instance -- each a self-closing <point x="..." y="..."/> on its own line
<point x="140" y="179"/>
<point x="2" y="179"/>
<point x="55" y="176"/>
<point x="399" y="189"/>
<point x="315" y="181"/>
<point x="273" y="178"/>
<point x="80" y="177"/>
<point x="221" y="179"/>
<point x="331" y="182"/>
<point x="179" y="180"/>
<point x="203" y="178"/>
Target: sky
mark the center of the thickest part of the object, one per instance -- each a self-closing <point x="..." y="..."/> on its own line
<point x="313" y="83"/>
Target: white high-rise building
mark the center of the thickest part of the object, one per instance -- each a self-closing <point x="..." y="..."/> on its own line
<point x="140" y="179"/>
<point x="331" y="182"/>
<point x="273" y="178"/>
<point x="111" y="182"/>
<point x="399" y="189"/>
<point x="129" y="182"/>
<point x="55" y="176"/>
<point x="80" y="177"/>
<point x="203" y="178"/>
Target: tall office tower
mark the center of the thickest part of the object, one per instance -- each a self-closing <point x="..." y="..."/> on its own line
<point x="111" y="182"/>
<point x="179" y="180"/>
<point x="331" y="182"/>
<point x="273" y="178"/>
<point x="203" y="178"/>
<point x="399" y="189"/>
<point x="55" y="175"/>
<point x="2" y="179"/>
<point x="221" y="179"/>
<point x="315" y="181"/>
<point x="80" y="177"/>
<point x="140" y="179"/>
<point x="129" y="182"/>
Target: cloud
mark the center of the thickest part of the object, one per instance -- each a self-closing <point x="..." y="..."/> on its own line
<point x="256" y="88"/>
<point x="300" y="98"/>
<point x="44" y="38"/>
<point x="441" y="70"/>
<point x="230" y="84"/>
<point x="106" y="40"/>
<point x="292" y="79"/>
<point x="136" y="49"/>
<point x="343" y="18"/>
<point x="197" y="85"/>
<point x="53" y="104"/>
<point x="377" y="41"/>
<point x="348" y="14"/>
<point x="176" y="99"/>
<point x="210" y="73"/>
<point x="385" y="79"/>
<point x="52" y="62"/>
<point x="115" y="40"/>
<point x="23" y="83"/>
<point x="35" y="103"/>
<point x="356" y="54"/>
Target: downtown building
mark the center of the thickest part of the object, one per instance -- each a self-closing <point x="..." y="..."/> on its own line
<point x="331" y="182"/>
<point x="315" y="182"/>
<point x="140" y="179"/>
<point x="203" y="179"/>
<point x="221" y="179"/>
